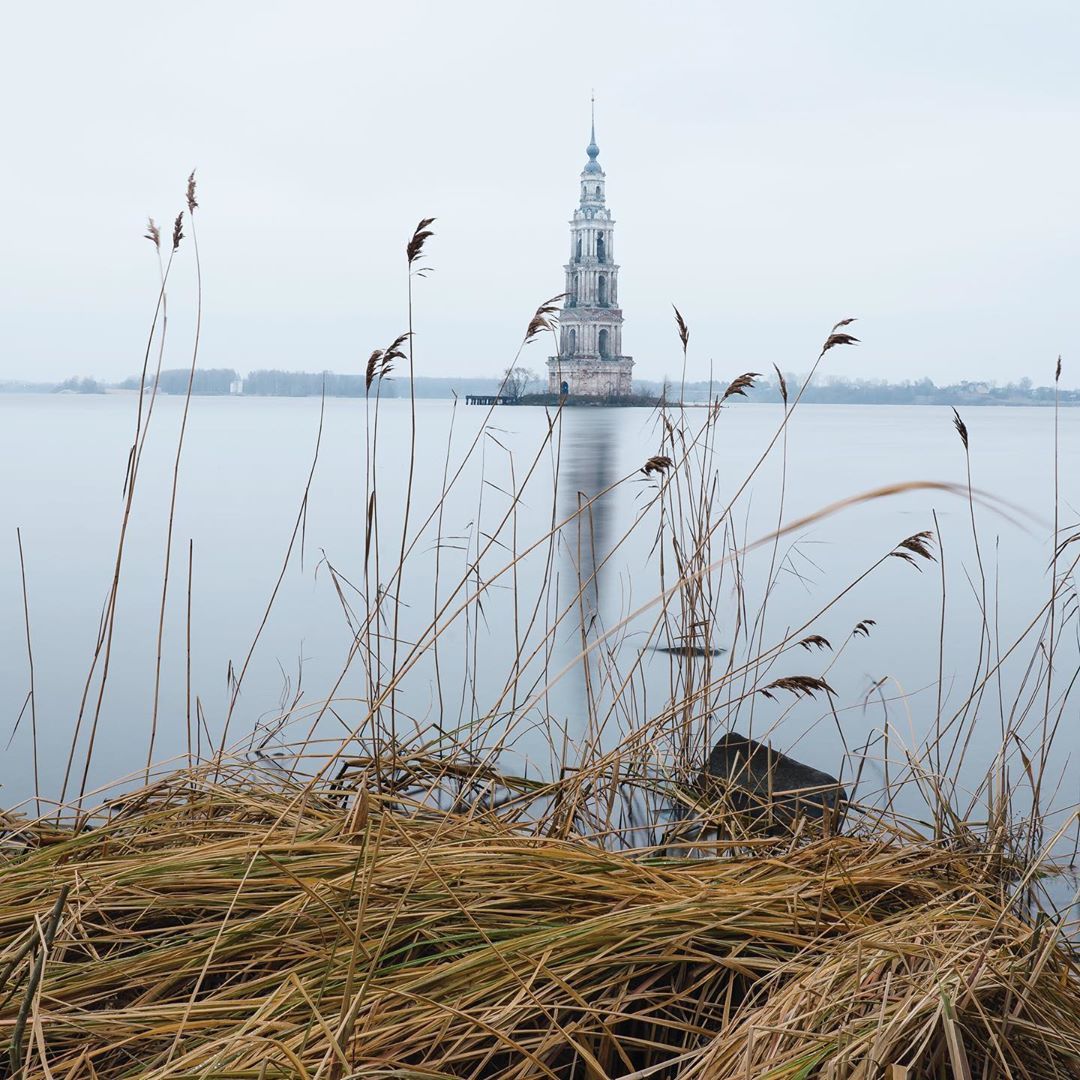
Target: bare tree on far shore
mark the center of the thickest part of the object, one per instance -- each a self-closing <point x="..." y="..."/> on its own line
<point x="516" y="381"/>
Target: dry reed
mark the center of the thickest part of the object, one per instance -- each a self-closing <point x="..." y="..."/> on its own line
<point x="396" y="901"/>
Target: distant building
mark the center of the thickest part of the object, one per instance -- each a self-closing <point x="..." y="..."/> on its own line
<point x="236" y="386"/>
<point x="590" y="361"/>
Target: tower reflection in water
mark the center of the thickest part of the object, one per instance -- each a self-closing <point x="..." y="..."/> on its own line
<point x="588" y="467"/>
<point x="588" y="588"/>
<point x="591" y="699"/>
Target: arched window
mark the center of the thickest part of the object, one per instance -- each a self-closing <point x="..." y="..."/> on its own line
<point x="601" y="289"/>
<point x="603" y="343"/>
<point x="565" y="388"/>
<point x="600" y="248"/>
<point x="598" y="191"/>
<point x="571" y="342"/>
<point x="579" y="249"/>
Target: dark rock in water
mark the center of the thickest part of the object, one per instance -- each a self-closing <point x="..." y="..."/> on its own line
<point x="688" y="650"/>
<point x="774" y="789"/>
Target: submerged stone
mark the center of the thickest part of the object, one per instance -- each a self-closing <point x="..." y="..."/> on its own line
<point x="774" y="789"/>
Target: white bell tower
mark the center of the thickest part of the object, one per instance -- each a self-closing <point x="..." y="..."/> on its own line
<point x="590" y="361"/>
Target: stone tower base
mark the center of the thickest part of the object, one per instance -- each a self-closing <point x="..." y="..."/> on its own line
<point x="590" y="377"/>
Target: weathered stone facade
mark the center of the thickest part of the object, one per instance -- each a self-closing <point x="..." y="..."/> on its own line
<point x="590" y="361"/>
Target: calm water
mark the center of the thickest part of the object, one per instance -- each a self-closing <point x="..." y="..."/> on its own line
<point x="243" y="475"/>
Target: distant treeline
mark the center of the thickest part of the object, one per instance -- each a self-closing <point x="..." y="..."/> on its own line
<point x="175" y="381"/>
<point x="840" y="391"/>
<point x="309" y="384"/>
<point x="830" y="391"/>
<point x="302" y="384"/>
<point x="76" y="385"/>
<point x="274" y="383"/>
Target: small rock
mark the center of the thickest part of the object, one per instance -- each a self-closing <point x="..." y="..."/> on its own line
<point x="774" y="789"/>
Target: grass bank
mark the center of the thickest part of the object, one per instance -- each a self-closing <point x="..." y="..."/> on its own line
<point x="217" y="927"/>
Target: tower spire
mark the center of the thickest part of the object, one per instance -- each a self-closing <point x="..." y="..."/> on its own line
<point x="592" y="149"/>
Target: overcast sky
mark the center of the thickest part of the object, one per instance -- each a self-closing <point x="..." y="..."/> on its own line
<point x="772" y="167"/>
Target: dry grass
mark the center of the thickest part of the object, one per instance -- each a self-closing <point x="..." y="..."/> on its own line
<point x="232" y="929"/>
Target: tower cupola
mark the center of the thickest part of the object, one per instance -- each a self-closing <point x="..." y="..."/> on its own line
<point x="593" y="151"/>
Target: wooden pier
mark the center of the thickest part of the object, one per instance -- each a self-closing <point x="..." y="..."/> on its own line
<point x="487" y="399"/>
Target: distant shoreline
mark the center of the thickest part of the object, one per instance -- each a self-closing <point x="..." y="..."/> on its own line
<point x="648" y="393"/>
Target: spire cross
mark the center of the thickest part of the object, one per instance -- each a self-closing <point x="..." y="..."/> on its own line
<point x="592" y="106"/>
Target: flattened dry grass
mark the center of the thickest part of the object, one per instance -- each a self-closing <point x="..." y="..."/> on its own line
<point x="220" y="928"/>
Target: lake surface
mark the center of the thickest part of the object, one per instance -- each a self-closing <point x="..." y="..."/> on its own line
<point x="243" y="476"/>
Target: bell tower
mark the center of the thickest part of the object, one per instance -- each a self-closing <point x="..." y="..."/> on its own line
<point x="590" y="361"/>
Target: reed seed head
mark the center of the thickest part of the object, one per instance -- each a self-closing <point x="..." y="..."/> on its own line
<point x="192" y="202"/>
<point x="394" y="350"/>
<point x="659" y="464"/>
<point x="178" y="230"/>
<point x="961" y="428"/>
<point x="153" y="233"/>
<point x="546" y="317"/>
<point x="740" y="385"/>
<point x="415" y="246"/>
<point x="782" y="382"/>
<point x="684" y="330"/>
<point x="839" y="339"/>
<point x="372" y="368"/>
<point x="798" y="685"/>
<point x="381" y="361"/>
<point x="919" y="545"/>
